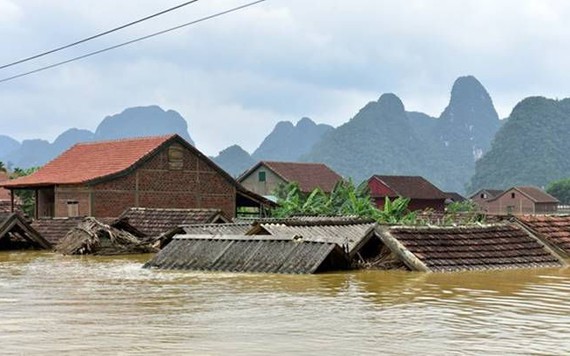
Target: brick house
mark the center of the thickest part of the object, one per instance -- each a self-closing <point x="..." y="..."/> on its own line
<point x="422" y="194"/>
<point x="521" y="200"/>
<point x="266" y="176"/>
<point x="483" y="195"/>
<point x="5" y="196"/>
<point x="102" y="179"/>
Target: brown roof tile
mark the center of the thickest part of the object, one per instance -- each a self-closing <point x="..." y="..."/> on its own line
<point x="537" y="195"/>
<point x="555" y="229"/>
<point x="54" y="229"/>
<point x="474" y="248"/>
<point x="413" y="187"/>
<point x="308" y="175"/>
<point x="155" y="221"/>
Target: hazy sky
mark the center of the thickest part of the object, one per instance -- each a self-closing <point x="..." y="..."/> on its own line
<point x="234" y="77"/>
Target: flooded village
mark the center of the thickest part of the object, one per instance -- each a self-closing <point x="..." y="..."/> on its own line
<point x="170" y="233"/>
<point x="261" y="177"/>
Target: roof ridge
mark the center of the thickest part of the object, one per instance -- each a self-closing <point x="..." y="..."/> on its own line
<point x="126" y="139"/>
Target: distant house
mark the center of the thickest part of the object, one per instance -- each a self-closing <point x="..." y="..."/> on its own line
<point x="422" y="194"/>
<point x="453" y="197"/>
<point x="521" y="200"/>
<point x="482" y="196"/>
<point x="266" y="176"/>
<point x="102" y="179"/>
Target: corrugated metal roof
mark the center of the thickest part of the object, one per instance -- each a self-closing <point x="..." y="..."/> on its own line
<point x="350" y="236"/>
<point x="231" y="253"/>
<point x="216" y="229"/>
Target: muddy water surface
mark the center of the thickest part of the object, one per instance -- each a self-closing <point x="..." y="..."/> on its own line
<point x="54" y="305"/>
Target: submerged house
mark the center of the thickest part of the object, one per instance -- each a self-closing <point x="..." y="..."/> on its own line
<point x="422" y="194"/>
<point x="5" y="195"/>
<point x="102" y="179"/>
<point x="519" y="201"/>
<point x="17" y="234"/>
<point x="266" y="176"/>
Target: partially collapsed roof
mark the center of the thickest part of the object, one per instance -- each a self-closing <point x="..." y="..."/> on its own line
<point x="156" y="221"/>
<point x="55" y="229"/>
<point x="444" y="249"/>
<point x="269" y="254"/>
<point x="350" y="235"/>
<point x="554" y="229"/>
<point x="16" y="233"/>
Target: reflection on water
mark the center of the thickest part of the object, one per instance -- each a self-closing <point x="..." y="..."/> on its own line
<point x="57" y="305"/>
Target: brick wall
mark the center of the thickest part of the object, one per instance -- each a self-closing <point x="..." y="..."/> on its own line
<point x="67" y="194"/>
<point x="272" y="181"/>
<point x="154" y="184"/>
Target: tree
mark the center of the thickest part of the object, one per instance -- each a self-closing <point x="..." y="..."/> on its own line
<point x="26" y="196"/>
<point x="560" y="189"/>
<point x="2" y="167"/>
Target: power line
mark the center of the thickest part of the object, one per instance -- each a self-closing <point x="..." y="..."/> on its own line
<point x="132" y="41"/>
<point x="97" y="35"/>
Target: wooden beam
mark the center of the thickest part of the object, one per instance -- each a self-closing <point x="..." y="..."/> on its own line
<point x="409" y="259"/>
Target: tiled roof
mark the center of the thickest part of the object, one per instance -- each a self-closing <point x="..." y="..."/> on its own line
<point x="85" y="162"/>
<point x="155" y="221"/>
<point x="308" y="175"/>
<point x="413" y="187"/>
<point x="474" y="248"/>
<point x="554" y="229"/>
<point x="491" y="193"/>
<point x="455" y="197"/>
<point x="269" y="254"/>
<point x="216" y="229"/>
<point x="537" y="195"/>
<point x="4" y="193"/>
<point x="54" y="229"/>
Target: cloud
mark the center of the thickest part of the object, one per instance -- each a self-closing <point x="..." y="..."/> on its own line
<point x="234" y="77"/>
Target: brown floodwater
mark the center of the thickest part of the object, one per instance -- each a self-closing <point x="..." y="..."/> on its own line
<point x="55" y="305"/>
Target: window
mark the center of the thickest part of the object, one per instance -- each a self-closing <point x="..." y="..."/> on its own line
<point x="175" y="157"/>
<point x="483" y="196"/>
<point x="72" y="208"/>
<point x="261" y="176"/>
<point x="512" y="195"/>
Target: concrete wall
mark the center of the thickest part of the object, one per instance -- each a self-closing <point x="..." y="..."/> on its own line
<point x="272" y="181"/>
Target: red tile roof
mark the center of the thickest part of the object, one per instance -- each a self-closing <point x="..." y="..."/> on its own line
<point x="413" y="187"/>
<point x="555" y="229"/>
<point x="85" y="162"/>
<point x="308" y="175"/>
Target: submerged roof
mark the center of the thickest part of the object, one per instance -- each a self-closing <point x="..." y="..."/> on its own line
<point x="249" y="254"/>
<point x="155" y="221"/>
<point x="309" y="176"/>
<point x="55" y="229"/>
<point x="554" y="229"/>
<point x="472" y="248"/>
<point x="351" y="235"/>
<point x="216" y="229"/>
<point x="413" y="187"/>
<point x="13" y="227"/>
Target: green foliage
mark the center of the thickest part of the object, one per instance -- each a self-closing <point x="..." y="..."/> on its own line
<point x="2" y="167"/>
<point x="26" y="196"/>
<point x="560" y="189"/>
<point x="466" y="206"/>
<point x="396" y="212"/>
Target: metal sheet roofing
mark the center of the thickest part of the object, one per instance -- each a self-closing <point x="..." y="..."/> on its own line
<point x="216" y="229"/>
<point x="348" y="235"/>
<point x="240" y="253"/>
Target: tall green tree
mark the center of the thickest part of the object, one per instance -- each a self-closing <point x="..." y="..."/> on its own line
<point x="560" y="189"/>
<point x="26" y="196"/>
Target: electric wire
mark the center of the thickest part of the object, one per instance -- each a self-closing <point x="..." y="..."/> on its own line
<point x="241" y="7"/>
<point x="27" y="59"/>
